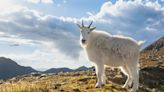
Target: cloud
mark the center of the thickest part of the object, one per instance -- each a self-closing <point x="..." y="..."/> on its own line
<point x="89" y="13"/>
<point x="36" y="59"/>
<point x="34" y="1"/>
<point x="57" y="38"/>
<point x="41" y="1"/>
<point x="7" y="6"/>
<point x="44" y="59"/>
<point x="31" y="26"/>
<point x="137" y="19"/>
<point x="64" y="1"/>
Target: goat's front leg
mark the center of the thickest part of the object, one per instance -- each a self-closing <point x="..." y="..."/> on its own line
<point x="99" y="74"/>
<point x="104" y="78"/>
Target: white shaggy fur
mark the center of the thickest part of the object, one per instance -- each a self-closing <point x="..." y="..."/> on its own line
<point x="103" y="49"/>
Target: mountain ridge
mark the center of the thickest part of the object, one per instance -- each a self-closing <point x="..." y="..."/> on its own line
<point x="64" y="69"/>
<point x="9" y="68"/>
<point x="153" y="55"/>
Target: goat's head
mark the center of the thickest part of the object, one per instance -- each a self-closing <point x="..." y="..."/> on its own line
<point x="85" y="32"/>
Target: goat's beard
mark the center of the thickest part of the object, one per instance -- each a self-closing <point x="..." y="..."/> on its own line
<point x="84" y="45"/>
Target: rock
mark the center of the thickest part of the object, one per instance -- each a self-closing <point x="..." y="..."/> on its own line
<point x="84" y="79"/>
<point x="162" y="56"/>
<point x="119" y="76"/>
<point x="93" y="74"/>
<point x="14" y="79"/>
<point x="42" y="76"/>
<point x="154" y="90"/>
<point x="56" y="85"/>
<point x="76" y="90"/>
<point x="152" y="83"/>
<point x="36" y="74"/>
<point x="154" y="59"/>
<point x="1" y="82"/>
<point x="62" y="90"/>
<point x="76" y="74"/>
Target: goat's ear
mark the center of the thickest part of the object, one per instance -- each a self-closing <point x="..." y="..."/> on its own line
<point x="78" y="26"/>
<point x="91" y="29"/>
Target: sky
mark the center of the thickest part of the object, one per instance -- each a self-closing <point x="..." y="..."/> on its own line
<point x="43" y="33"/>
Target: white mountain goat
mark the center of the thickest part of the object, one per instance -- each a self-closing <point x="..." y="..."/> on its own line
<point x="103" y="49"/>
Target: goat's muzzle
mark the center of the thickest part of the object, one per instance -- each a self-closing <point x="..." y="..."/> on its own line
<point x="83" y="41"/>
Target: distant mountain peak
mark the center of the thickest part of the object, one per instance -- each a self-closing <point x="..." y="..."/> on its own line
<point x="156" y="45"/>
<point x="9" y="68"/>
<point x="153" y="55"/>
<point x="56" y="70"/>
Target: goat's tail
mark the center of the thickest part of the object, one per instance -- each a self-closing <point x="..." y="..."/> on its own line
<point x="140" y="43"/>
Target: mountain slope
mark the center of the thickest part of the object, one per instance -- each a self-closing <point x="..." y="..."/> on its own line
<point x="153" y="55"/>
<point x="9" y="68"/>
<point x="157" y="45"/>
<point x="152" y="65"/>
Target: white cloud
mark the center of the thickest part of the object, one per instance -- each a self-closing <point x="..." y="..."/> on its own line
<point x="8" y="6"/>
<point x="34" y="1"/>
<point x="41" y="1"/>
<point x="138" y="19"/>
<point x="47" y="1"/>
<point x="30" y="25"/>
<point x="46" y="59"/>
<point x="89" y="13"/>
<point x="57" y="39"/>
<point x="64" y="1"/>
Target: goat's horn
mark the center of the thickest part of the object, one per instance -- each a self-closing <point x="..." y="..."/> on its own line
<point x="82" y="24"/>
<point x="90" y="24"/>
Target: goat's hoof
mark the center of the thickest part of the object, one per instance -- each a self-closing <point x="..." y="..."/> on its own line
<point x="133" y="90"/>
<point x="98" y="85"/>
<point x="130" y="85"/>
<point x="103" y="83"/>
<point x="125" y="86"/>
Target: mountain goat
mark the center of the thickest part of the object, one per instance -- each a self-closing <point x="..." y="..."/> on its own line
<point x="103" y="49"/>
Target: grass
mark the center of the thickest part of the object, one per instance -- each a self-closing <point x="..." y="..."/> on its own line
<point x="24" y="87"/>
<point x="69" y="82"/>
<point x="59" y="83"/>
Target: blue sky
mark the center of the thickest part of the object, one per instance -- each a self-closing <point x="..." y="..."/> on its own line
<point x="66" y="8"/>
<point x="43" y="33"/>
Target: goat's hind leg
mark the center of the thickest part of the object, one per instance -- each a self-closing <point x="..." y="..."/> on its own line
<point x="129" y="77"/>
<point x="135" y="75"/>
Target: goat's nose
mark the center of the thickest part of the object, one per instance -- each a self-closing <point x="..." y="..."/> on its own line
<point x="83" y="41"/>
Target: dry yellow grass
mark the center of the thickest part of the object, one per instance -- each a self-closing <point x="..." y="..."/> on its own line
<point x="58" y="83"/>
<point x="66" y="82"/>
